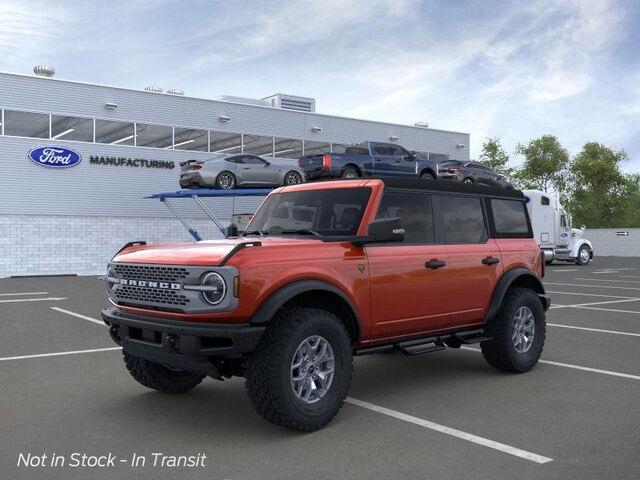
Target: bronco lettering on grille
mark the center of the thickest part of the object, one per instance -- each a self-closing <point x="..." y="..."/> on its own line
<point x="148" y="284"/>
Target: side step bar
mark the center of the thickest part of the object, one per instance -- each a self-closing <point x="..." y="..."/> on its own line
<point x="419" y="346"/>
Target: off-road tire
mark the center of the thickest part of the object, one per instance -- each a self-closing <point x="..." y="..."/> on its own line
<point x="500" y="352"/>
<point x="155" y="376"/>
<point x="350" y="173"/>
<point x="219" y="185"/>
<point x="268" y="381"/>
<point x="579" y="260"/>
<point x="428" y="176"/>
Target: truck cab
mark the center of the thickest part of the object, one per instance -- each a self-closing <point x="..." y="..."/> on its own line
<point x="552" y="229"/>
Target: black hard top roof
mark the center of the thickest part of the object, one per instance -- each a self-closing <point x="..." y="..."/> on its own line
<point x="449" y="186"/>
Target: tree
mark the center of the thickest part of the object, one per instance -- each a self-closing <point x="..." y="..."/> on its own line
<point x="495" y="157"/>
<point x="545" y="164"/>
<point x="602" y="196"/>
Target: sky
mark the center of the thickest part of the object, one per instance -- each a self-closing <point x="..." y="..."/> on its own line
<point x="514" y="70"/>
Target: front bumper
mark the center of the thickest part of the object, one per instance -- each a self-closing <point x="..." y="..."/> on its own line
<point x="184" y="345"/>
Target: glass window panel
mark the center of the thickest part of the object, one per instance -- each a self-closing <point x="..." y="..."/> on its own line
<point x="157" y="136"/>
<point x="438" y="157"/>
<point x="71" y="128"/>
<point x="316" y="148"/>
<point x="463" y="219"/>
<point x="190" y="139"/>
<point x="339" y="147"/>
<point x="415" y="211"/>
<point x="115" y="133"/>
<point x="227" y="143"/>
<point x="26" y="124"/>
<point x="288" y="148"/>
<point x="509" y="216"/>
<point x="257" y="145"/>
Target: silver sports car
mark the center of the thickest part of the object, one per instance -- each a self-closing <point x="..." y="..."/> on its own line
<point x="240" y="170"/>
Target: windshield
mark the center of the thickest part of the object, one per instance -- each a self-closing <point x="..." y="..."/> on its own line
<point x="331" y="212"/>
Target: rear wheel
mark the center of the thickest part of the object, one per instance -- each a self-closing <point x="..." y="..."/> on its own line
<point x="158" y="377"/>
<point x="468" y="180"/>
<point x="300" y="372"/>
<point x="584" y="255"/>
<point x="517" y="333"/>
<point x="292" y="178"/>
<point x="226" y="180"/>
<point x="350" y="173"/>
<point x="428" y="175"/>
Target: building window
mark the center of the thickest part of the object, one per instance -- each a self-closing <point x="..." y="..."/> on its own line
<point x="316" y="148"/>
<point x="287" y="148"/>
<point x="339" y="147"/>
<point x="226" y="143"/>
<point x="257" y="145"/>
<point x="71" y="128"/>
<point x="157" y="136"/>
<point x="190" y="139"/>
<point x="26" y="124"/>
<point x="114" y="133"/>
<point x="438" y="157"/>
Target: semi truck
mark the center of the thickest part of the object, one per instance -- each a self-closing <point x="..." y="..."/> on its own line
<point x="553" y="231"/>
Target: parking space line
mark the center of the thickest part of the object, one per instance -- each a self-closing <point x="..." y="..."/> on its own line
<point x="587" y="294"/>
<point x="604" y="302"/>
<point x="562" y="270"/>
<point x="607" y="280"/>
<point x="575" y="367"/>
<point x="16" y="300"/>
<point x="599" y="330"/>
<point x="485" y="442"/>
<point x="592" y="286"/>
<point x="78" y="315"/>
<point x="57" y="354"/>
<point x="23" y="293"/>
<point x="610" y="310"/>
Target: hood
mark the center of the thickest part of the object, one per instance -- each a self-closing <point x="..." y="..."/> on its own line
<point x="207" y="252"/>
<point x="576" y="232"/>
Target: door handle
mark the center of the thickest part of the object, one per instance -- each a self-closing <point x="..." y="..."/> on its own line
<point x="434" y="263"/>
<point x="490" y="260"/>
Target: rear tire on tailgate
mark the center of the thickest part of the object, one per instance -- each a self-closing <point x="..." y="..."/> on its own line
<point x="517" y="333"/>
<point x="157" y="377"/>
<point x="300" y="372"/>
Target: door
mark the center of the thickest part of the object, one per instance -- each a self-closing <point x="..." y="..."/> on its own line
<point x="473" y="259"/>
<point x="408" y="297"/>
<point x="383" y="160"/>
<point x="565" y="229"/>
<point x="256" y="171"/>
<point x="393" y="160"/>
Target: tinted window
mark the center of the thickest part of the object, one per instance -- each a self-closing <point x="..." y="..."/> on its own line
<point x="397" y="151"/>
<point x="253" y="160"/>
<point x="415" y="211"/>
<point x="287" y="148"/>
<point x="227" y="143"/>
<point x="26" y="124"/>
<point x="157" y="136"/>
<point x="190" y="139"/>
<point x="463" y="219"/>
<point x="71" y="128"/>
<point x="381" y="150"/>
<point x="355" y="151"/>
<point x="450" y="163"/>
<point x="509" y="216"/>
<point x="331" y="212"/>
<point x="115" y="133"/>
<point x="544" y="200"/>
<point x="235" y="159"/>
<point x="258" y="145"/>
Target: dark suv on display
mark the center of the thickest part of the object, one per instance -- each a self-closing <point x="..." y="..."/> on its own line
<point x="326" y="271"/>
<point x="471" y="172"/>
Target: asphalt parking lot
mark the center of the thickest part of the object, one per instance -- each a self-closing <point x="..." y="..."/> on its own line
<point x="445" y="415"/>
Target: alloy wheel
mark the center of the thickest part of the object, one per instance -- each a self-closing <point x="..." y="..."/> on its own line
<point x="524" y="326"/>
<point x="312" y="369"/>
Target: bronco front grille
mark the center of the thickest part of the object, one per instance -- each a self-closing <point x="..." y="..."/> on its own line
<point x="151" y="272"/>
<point x="157" y="296"/>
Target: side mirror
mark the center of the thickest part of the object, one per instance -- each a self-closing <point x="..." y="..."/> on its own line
<point x="385" y="230"/>
<point x="410" y="156"/>
<point x="232" y="231"/>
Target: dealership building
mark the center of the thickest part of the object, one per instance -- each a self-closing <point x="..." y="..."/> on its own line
<point x="129" y="144"/>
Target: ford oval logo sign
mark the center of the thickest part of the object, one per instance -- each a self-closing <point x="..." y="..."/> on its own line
<point x="55" y="157"/>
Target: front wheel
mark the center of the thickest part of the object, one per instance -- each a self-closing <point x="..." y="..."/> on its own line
<point x="300" y="372"/>
<point x="158" y="377"/>
<point x="517" y="333"/>
<point x="292" y="178"/>
<point x="584" y="255"/>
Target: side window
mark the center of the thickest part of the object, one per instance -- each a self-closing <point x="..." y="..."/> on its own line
<point x="563" y="221"/>
<point x="509" y="217"/>
<point x="544" y="200"/>
<point x="381" y="150"/>
<point x="397" y="151"/>
<point x="463" y="219"/>
<point x="415" y="211"/>
<point x="253" y="160"/>
<point x="234" y="160"/>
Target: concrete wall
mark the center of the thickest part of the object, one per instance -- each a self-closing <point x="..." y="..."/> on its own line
<point x="607" y="242"/>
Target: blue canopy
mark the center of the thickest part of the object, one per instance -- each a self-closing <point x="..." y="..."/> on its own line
<point x="207" y="192"/>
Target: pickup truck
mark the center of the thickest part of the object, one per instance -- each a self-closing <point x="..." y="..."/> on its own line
<point x="369" y="159"/>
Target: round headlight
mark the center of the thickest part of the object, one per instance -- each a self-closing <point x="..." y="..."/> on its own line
<point x="216" y="290"/>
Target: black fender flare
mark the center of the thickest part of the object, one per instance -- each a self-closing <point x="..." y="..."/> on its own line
<point x="276" y="300"/>
<point x="507" y="279"/>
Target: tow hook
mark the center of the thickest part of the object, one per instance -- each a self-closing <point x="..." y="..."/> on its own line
<point x="173" y="343"/>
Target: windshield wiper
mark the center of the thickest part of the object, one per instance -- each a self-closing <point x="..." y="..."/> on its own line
<point x="302" y="231"/>
<point x="254" y="232"/>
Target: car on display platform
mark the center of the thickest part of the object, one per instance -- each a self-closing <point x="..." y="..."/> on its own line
<point x="323" y="272"/>
<point x="240" y="170"/>
<point x="471" y="172"/>
<point x="369" y="159"/>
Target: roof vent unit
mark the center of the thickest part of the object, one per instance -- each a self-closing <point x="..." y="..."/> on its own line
<point x="175" y="91"/>
<point x="292" y="102"/>
<point x="153" y="88"/>
<point x="44" y="71"/>
<point x="244" y="100"/>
